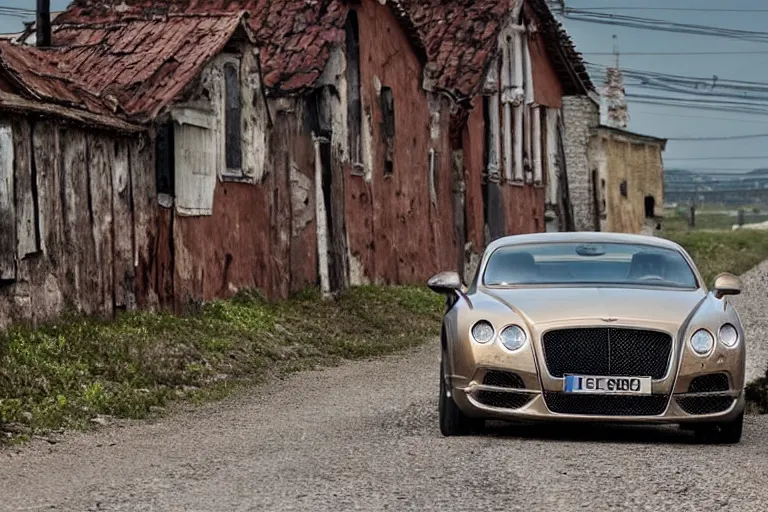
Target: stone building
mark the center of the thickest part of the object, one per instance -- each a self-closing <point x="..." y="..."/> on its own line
<point x="629" y="172"/>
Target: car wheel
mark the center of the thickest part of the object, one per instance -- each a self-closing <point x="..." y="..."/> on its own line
<point x="453" y="422"/>
<point x="722" y="433"/>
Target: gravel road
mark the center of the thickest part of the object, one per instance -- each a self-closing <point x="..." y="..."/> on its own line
<point x="364" y="436"/>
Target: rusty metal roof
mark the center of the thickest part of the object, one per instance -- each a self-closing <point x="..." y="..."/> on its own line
<point x="295" y="37"/>
<point x="461" y="38"/>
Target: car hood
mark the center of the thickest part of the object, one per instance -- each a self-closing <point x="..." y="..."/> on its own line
<point x="626" y="305"/>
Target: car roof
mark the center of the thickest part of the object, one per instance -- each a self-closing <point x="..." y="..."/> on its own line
<point x="583" y="237"/>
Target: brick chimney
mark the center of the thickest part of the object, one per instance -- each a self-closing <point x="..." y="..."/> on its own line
<point x="43" y="35"/>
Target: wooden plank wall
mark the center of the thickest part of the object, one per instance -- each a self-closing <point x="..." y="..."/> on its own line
<point x="82" y="206"/>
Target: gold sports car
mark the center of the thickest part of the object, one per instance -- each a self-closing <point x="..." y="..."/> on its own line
<point x="600" y="327"/>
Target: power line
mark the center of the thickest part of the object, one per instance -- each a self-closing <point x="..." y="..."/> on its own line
<point x="664" y="25"/>
<point x="730" y="137"/>
<point x="623" y="54"/>
<point x="719" y="158"/>
<point x="739" y="120"/>
<point x="688" y="9"/>
<point x="694" y="105"/>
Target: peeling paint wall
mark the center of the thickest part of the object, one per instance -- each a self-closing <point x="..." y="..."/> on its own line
<point x="80" y="240"/>
<point x="628" y="165"/>
<point x="259" y="235"/>
<point x="396" y="233"/>
<point x="547" y="88"/>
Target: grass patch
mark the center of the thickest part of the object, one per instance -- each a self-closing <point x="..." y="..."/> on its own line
<point x="65" y="374"/>
<point x="723" y="251"/>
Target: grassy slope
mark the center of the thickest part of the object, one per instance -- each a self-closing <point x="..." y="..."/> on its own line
<point x="723" y="251"/>
<point x="65" y="374"/>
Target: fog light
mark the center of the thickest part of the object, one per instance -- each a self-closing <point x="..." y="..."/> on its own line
<point x="702" y="342"/>
<point x="513" y="337"/>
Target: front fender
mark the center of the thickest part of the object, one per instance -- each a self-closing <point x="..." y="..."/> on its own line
<point x="711" y="314"/>
<point x="467" y="359"/>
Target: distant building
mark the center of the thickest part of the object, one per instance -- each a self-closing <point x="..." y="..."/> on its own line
<point x="628" y="171"/>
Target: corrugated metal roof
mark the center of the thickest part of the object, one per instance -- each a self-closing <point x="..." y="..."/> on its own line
<point x="461" y="37"/>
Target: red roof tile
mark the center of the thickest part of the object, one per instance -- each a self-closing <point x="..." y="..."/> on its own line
<point x="461" y="36"/>
<point x="135" y="67"/>
<point x="295" y="37"/>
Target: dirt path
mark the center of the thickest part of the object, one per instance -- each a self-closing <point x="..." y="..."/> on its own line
<point x="364" y="436"/>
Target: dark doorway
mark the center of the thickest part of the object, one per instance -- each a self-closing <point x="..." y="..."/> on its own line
<point x="650" y="207"/>
<point x="595" y="201"/>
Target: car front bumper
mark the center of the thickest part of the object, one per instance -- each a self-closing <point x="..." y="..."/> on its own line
<point x="537" y="391"/>
<point x="536" y="408"/>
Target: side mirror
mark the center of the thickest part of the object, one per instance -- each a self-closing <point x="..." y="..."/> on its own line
<point x="445" y="283"/>
<point x="727" y="284"/>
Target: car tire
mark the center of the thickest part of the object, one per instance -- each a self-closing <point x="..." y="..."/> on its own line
<point x="453" y="422"/>
<point x="722" y="433"/>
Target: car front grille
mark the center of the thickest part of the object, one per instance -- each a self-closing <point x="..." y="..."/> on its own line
<point x="709" y="383"/>
<point x="606" y="405"/>
<point x="711" y="404"/>
<point x="501" y="379"/>
<point x="503" y="400"/>
<point x="607" y="351"/>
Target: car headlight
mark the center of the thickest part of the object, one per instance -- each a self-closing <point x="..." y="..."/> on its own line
<point x="702" y="342"/>
<point x="483" y="332"/>
<point x="513" y="337"/>
<point x="729" y="336"/>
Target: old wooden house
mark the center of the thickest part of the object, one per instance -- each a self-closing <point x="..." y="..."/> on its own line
<point x="252" y="144"/>
<point x="507" y="65"/>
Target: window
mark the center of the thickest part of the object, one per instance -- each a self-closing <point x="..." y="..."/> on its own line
<point x="164" y="161"/>
<point x="388" y="128"/>
<point x="623" y="188"/>
<point x="589" y="264"/>
<point x="354" y="103"/>
<point x="232" y="119"/>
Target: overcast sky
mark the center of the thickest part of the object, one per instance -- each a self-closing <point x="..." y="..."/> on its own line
<point x="649" y="119"/>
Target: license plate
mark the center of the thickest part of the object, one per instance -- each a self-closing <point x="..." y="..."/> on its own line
<point x="594" y="385"/>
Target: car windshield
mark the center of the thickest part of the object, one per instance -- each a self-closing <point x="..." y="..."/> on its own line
<point x="586" y="263"/>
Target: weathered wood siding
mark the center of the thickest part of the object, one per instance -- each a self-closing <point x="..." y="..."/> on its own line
<point x="257" y="230"/>
<point x="74" y="235"/>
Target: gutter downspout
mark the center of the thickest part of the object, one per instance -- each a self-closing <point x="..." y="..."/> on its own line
<point x="506" y="98"/>
<point x="519" y="93"/>
<point x="529" y="99"/>
<point x="321" y="220"/>
<point x="537" y="160"/>
<point x="494" y="145"/>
